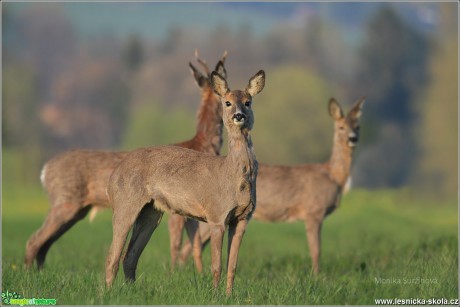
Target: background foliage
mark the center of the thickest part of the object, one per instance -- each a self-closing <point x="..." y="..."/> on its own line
<point x="75" y="79"/>
<point x="115" y="76"/>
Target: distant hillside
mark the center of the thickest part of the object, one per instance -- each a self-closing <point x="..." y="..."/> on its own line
<point x="152" y="21"/>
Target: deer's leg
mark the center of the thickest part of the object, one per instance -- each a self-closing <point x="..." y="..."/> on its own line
<point x="185" y="251"/>
<point x="60" y="219"/>
<point x="313" y="228"/>
<point x="193" y="233"/>
<point x="235" y="235"/>
<point x="217" y="235"/>
<point x="145" y="225"/>
<point x="205" y="235"/>
<point x="81" y="214"/>
<point x="122" y="221"/>
<point x="176" y="226"/>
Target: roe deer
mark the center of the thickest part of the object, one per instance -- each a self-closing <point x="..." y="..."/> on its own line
<point x="218" y="190"/>
<point x="207" y="139"/>
<point x="76" y="180"/>
<point x="306" y="192"/>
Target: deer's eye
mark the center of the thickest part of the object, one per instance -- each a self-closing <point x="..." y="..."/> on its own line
<point x="248" y="103"/>
<point x="341" y="127"/>
<point x="228" y="104"/>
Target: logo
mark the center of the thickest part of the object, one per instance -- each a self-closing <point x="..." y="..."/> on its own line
<point x="14" y="298"/>
<point x="8" y="296"/>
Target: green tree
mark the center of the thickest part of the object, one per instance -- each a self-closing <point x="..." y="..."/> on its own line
<point x="22" y="133"/>
<point x="392" y="70"/>
<point x="292" y="124"/>
<point x="392" y="67"/>
<point x="152" y="124"/>
<point x="438" y="130"/>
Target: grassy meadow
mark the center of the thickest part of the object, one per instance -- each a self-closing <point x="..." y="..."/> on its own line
<point x="373" y="235"/>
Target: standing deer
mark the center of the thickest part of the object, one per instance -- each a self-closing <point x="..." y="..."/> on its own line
<point x="77" y="180"/>
<point x="306" y="192"/>
<point x="218" y="190"/>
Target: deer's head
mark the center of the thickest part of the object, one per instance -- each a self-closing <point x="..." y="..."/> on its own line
<point x="237" y="104"/>
<point x="346" y="128"/>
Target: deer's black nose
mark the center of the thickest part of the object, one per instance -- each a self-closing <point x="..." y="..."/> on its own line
<point x="239" y="117"/>
<point x="353" y="139"/>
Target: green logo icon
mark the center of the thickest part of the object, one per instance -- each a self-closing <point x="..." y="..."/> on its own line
<point x="14" y="298"/>
<point x="7" y="296"/>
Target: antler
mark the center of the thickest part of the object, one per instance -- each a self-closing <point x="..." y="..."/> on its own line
<point x="202" y="63"/>
<point x="224" y="56"/>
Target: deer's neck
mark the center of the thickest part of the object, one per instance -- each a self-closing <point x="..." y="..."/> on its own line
<point x="241" y="154"/>
<point x="340" y="161"/>
<point x="209" y="126"/>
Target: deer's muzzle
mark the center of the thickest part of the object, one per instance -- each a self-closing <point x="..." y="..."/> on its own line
<point x="239" y="118"/>
<point x="352" y="139"/>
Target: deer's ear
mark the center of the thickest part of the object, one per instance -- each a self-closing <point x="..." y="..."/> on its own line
<point x="256" y="83"/>
<point x="219" y="84"/>
<point x="356" y="111"/>
<point x="200" y="80"/>
<point x="335" y="110"/>
<point x="220" y="68"/>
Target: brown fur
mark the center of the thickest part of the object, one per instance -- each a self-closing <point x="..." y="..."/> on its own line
<point x="306" y="192"/>
<point x="217" y="190"/>
<point x="76" y="181"/>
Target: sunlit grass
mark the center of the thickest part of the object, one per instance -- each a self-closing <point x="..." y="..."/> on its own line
<point x="374" y="234"/>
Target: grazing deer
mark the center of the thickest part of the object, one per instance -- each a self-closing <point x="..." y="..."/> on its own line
<point x="306" y="192"/>
<point x="218" y="190"/>
<point x="77" y="180"/>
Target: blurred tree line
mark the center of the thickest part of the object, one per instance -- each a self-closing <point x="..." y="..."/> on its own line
<point x="62" y="92"/>
<point x="437" y="133"/>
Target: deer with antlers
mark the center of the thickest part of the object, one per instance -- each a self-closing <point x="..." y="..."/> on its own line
<point x="306" y="192"/>
<point x="76" y="181"/>
<point x="218" y="190"/>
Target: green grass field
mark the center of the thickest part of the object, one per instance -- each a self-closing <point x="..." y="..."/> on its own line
<point x="373" y="235"/>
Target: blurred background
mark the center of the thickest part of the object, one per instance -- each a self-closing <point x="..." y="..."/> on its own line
<point x="115" y="76"/>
